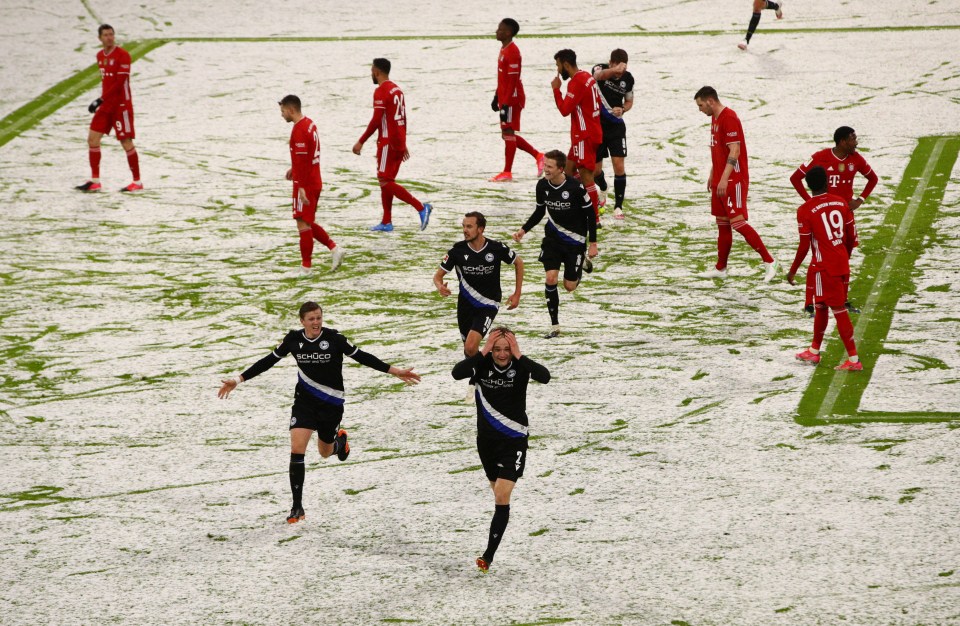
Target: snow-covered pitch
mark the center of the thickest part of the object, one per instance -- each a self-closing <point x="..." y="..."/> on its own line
<point x="670" y="478"/>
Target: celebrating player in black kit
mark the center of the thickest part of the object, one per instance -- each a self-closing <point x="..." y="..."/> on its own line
<point x="318" y="398"/>
<point x="477" y="261"/>
<point x="571" y="222"/>
<point x="616" y="96"/>
<point x="502" y="374"/>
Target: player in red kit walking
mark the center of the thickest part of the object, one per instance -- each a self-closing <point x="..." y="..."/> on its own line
<point x="307" y="184"/>
<point x="390" y="122"/>
<point x="728" y="183"/>
<point x="112" y="110"/>
<point x="509" y="101"/>
<point x="826" y="227"/>
<point x="582" y="104"/>
<point x="842" y="163"/>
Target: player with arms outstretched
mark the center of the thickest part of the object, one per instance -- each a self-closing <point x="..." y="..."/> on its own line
<point x="826" y="227"/>
<point x="307" y="183"/>
<point x="389" y="121"/>
<point x="581" y="104"/>
<point x="728" y="183"/>
<point x="113" y="110"/>
<point x="571" y="224"/>
<point x="319" y="396"/>
<point x="510" y="99"/>
<point x="502" y="374"/>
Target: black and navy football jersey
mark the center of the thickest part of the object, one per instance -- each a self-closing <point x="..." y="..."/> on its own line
<point x="479" y="271"/>
<point x="613" y="93"/>
<point x="571" y="219"/>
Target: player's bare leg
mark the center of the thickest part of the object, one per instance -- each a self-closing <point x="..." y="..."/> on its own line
<point x="502" y="489"/>
<point x="471" y="345"/>
<point x="133" y="160"/>
<point x="93" y="145"/>
<point x="601" y="180"/>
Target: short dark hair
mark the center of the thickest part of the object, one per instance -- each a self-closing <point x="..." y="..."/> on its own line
<point x="706" y="92"/>
<point x="512" y="25"/>
<point x="566" y="56"/>
<point x="290" y="101"/>
<point x="481" y="220"/>
<point x="558" y="156"/>
<point x="817" y="179"/>
<point x="842" y="133"/>
<point x="309" y="307"/>
<point x="382" y="64"/>
<point x="618" y="56"/>
<point x="104" y="27"/>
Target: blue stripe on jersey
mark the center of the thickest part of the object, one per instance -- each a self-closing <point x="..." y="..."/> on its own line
<point x="475" y="297"/>
<point x="321" y="392"/>
<point x="565" y="235"/>
<point x="500" y="422"/>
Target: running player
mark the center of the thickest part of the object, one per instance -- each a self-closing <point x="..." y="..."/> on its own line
<point x="307" y="184"/>
<point x="112" y="110"/>
<point x="728" y="183"/>
<point x="318" y="398"/>
<point x="571" y="222"/>
<point x="390" y="123"/>
<point x="616" y="96"/>
<point x="826" y="226"/>
<point x="502" y="373"/>
<point x="509" y="101"/>
<point x="842" y="163"/>
<point x="582" y="104"/>
<point x="760" y="5"/>
<point x="477" y="262"/>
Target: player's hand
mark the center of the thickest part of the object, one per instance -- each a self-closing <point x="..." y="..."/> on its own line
<point x="406" y="155"/>
<point x="513" y="301"/>
<point x="491" y="339"/>
<point x="593" y="250"/>
<point x="855" y="203"/>
<point x="443" y="289"/>
<point x="406" y="375"/>
<point x="95" y="105"/>
<point x="722" y="188"/>
<point x="790" y="277"/>
<point x="229" y="384"/>
<point x="618" y="111"/>
<point x="357" y="147"/>
<point x="302" y="194"/>
<point x="517" y="236"/>
<point x="290" y="174"/>
<point x="514" y="346"/>
<point x="555" y="83"/>
<point x="495" y="103"/>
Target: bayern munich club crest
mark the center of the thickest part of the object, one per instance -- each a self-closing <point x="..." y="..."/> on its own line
<point x="323" y="345"/>
<point x="565" y="195"/>
<point x="489" y="257"/>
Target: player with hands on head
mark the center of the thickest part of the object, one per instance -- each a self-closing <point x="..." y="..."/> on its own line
<point x="616" y="98"/>
<point x="570" y="234"/>
<point x="502" y="374"/>
<point x="319" y="394"/>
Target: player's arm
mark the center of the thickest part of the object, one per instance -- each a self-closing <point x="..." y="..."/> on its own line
<point x="796" y="179"/>
<point x="514" y="300"/>
<point x="627" y="101"/>
<point x="872" y="180"/>
<point x="600" y="74"/>
<point x="378" y="113"/>
<point x="438" y="282"/>
<point x="229" y="384"/>
<point x="850" y="238"/>
<point x="466" y="367"/>
<point x="533" y="220"/>
<point x="537" y="371"/>
<point x="407" y="375"/>
<point x="802" y="249"/>
<point x="728" y="168"/>
<point x="566" y="104"/>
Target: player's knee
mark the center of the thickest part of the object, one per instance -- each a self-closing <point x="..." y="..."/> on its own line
<point x="570" y="285"/>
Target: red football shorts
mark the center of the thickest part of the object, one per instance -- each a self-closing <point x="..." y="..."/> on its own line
<point x="510" y="118"/>
<point x="119" y="120"/>
<point x="830" y="290"/>
<point x="583" y="153"/>
<point x="388" y="162"/>
<point x="734" y="204"/>
<point x="306" y="211"/>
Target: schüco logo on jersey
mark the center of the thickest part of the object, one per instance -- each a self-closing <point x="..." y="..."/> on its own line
<point x="315" y="357"/>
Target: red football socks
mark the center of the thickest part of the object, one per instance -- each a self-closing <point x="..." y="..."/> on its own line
<point x="95" y="163"/>
<point x="526" y="147"/>
<point x="724" y="243"/>
<point x="594" y="194"/>
<point x="386" y="200"/>
<point x="754" y="240"/>
<point x="509" y="151"/>
<point x="820" y="318"/>
<point x="306" y="247"/>
<point x="321" y="235"/>
<point x="133" y="160"/>
<point x="845" y="330"/>
<point x="398" y="192"/>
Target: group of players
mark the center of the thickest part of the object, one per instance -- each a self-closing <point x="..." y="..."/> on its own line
<point x="570" y="195"/>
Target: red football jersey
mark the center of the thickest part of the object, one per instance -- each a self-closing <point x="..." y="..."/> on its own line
<point x="509" y="85"/>
<point x="841" y="172"/>
<point x="828" y="221"/>
<point x="724" y="130"/>
<point x="393" y="125"/>
<point x="582" y="104"/>
<point x="115" y="72"/>
<point x="305" y="155"/>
